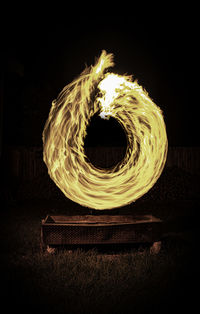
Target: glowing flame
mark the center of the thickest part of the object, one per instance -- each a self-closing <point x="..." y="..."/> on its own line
<point x="111" y="87"/>
<point x="65" y="130"/>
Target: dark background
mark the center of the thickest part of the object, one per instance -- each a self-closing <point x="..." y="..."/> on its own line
<point x="44" y="52"/>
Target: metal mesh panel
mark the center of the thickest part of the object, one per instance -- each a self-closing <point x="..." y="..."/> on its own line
<point x="55" y="234"/>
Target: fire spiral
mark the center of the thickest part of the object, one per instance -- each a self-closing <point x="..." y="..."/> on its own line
<point x="114" y="95"/>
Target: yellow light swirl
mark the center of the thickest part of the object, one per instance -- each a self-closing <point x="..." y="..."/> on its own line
<point x="65" y="130"/>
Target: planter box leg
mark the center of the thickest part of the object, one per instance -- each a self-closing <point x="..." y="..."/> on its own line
<point x="155" y="248"/>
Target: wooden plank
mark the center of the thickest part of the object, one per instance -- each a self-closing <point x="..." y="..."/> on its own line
<point x="101" y="219"/>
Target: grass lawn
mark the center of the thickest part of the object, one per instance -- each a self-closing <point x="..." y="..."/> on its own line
<point x="96" y="281"/>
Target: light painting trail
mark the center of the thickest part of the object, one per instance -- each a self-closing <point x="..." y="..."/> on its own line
<point x="65" y="130"/>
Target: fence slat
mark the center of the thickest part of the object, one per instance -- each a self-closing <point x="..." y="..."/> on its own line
<point x="27" y="163"/>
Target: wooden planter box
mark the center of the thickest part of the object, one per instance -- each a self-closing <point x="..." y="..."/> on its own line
<point x="101" y="229"/>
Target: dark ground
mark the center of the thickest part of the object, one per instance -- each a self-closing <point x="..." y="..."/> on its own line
<point x="127" y="280"/>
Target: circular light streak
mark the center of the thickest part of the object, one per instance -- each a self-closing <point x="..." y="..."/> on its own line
<point x="64" y="132"/>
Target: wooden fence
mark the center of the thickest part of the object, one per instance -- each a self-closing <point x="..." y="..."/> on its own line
<point x="27" y="163"/>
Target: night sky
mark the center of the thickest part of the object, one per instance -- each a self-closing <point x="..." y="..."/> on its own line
<point x="44" y="53"/>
